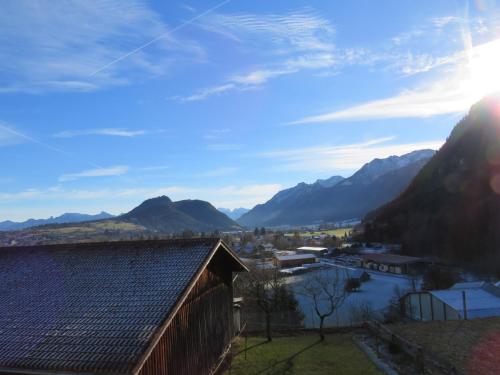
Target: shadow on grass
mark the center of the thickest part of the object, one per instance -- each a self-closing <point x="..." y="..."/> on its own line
<point x="251" y="347"/>
<point x="288" y="361"/>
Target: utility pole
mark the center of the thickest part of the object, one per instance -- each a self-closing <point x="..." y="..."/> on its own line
<point x="464" y="301"/>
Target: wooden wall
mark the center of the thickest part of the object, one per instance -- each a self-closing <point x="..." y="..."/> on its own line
<point x="202" y="329"/>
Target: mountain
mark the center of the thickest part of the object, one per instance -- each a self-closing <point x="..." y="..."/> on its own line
<point x="162" y="215"/>
<point x="63" y="219"/>
<point x="376" y="183"/>
<point x="235" y="213"/>
<point x="452" y="207"/>
<point x="329" y="182"/>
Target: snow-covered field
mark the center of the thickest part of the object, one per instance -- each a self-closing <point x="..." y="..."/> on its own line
<point x="375" y="293"/>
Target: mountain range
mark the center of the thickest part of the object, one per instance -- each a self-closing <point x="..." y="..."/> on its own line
<point x="64" y="218"/>
<point x="338" y="198"/>
<point x="452" y="207"/>
<point x="235" y="213"/>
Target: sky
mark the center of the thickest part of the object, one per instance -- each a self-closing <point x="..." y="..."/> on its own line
<point x="106" y="103"/>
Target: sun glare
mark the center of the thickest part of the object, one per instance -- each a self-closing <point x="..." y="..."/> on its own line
<point x="483" y="70"/>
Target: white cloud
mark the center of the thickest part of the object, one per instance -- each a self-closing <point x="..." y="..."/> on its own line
<point x="97" y="172"/>
<point x="115" y="132"/>
<point x="350" y="157"/>
<point x="55" y="46"/>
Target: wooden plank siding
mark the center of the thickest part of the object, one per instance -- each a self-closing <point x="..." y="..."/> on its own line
<point x="201" y="330"/>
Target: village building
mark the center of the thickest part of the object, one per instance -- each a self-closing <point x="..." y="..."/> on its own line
<point x="399" y="264"/>
<point x="284" y="261"/>
<point x="359" y="275"/>
<point x="462" y="301"/>
<point x="136" y="307"/>
<point x="316" y="250"/>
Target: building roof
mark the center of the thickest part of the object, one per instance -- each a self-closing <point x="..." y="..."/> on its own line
<point x="469" y="284"/>
<point x="93" y="308"/>
<point x="480" y="303"/>
<point x="390" y="258"/>
<point x="295" y="257"/>
<point x="312" y="248"/>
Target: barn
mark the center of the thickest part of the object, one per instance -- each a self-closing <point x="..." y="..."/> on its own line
<point x="136" y="307"/>
<point x="283" y="261"/>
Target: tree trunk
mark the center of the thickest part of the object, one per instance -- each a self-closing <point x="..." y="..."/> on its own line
<point x="268" y="327"/>
<point x="321" y="334"/>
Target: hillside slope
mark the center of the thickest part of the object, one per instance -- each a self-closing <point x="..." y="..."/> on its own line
<point x="452" y="207"/>
<point x="63" y="219"/>
<point x="162" y="215"/>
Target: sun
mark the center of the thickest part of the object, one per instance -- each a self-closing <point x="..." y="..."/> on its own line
<point x="483" y="70"/>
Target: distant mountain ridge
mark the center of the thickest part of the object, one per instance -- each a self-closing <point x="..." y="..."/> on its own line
<point x="235" y="213"/>
<point x="452" y="207"/>
<point x="62" y="219"/>
<point x="162" y="215"/>
<point x="376" y="183"/>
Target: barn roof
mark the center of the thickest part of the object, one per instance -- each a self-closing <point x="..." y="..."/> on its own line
<point x="480" y="302"/>
<point x="390" y="258"/>
<point x="295" y="257"/>
<point x="93" y="308"/>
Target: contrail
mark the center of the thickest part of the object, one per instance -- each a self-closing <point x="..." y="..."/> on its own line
<point x="43" y="144"/>
<point x="159" y="37"/>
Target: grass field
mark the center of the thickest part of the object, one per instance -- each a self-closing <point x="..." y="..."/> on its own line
<point x="331" y="232"/>
<point x="471" y="345"/>
<point x="304" y="355"/>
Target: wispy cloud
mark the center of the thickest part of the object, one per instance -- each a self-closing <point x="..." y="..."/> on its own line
<point x="470" y="76"/>
<point x="338" y="158"/>
<point x="114" y="132"/>
<point x="300" y="40"/>
<point x="301" y="30"/>
<point x="436" y="100"/>
<point x="67" y="41"/>
<point x="231" y="196"/>
<point x="223" y="147"/>
<point x="97" y="172"/>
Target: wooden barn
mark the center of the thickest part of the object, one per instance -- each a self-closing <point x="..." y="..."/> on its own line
<point x="137" y="307"/>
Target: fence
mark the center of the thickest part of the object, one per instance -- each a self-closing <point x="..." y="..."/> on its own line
<point x="423" y="360"/>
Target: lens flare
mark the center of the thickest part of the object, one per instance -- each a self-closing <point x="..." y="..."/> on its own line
<point x="483" y="70"/>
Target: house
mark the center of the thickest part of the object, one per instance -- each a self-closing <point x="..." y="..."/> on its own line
<point x="318" y="251"/>
<point x="462" y="301"/>
<point x="283" y="261"/>
<point x="399" y="264"/>
<point x="135" y="307"/>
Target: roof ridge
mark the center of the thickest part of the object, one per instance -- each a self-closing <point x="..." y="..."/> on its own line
<point x="176" y="241"/>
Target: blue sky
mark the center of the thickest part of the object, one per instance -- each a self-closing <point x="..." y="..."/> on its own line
<point x="106" y="103"/>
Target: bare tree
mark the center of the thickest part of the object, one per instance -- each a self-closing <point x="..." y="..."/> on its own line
<point x="266" y="289"/>
<point x="327" y="292"/>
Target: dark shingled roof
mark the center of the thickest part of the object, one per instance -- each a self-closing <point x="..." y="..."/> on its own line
<point x="90" y="307"/>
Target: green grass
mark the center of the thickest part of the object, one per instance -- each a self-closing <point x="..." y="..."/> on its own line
<point x="332" y="232"/>
<point x="301" y="355"/>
